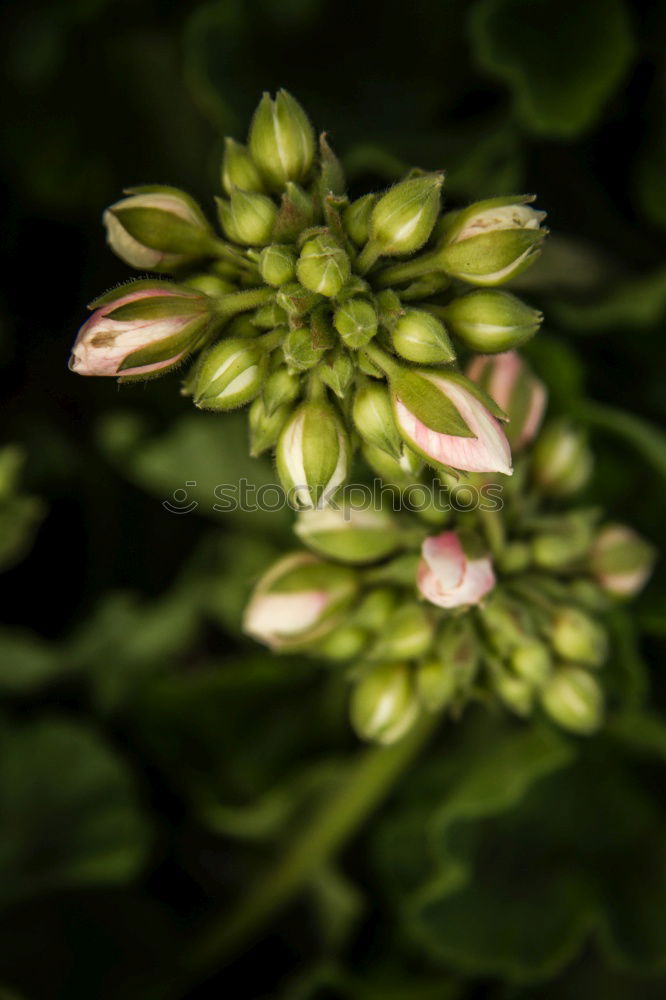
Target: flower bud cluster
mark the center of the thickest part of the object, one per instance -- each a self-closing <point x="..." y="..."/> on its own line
<point x="301" y="286"/>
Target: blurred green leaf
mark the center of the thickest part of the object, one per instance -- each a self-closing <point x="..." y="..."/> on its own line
<point x="561" y="59"/>
<point x="26" y="661"/>
<point x="642" y="437"/>
<point x="68" y="811"/>
<point x="635" y="304"/>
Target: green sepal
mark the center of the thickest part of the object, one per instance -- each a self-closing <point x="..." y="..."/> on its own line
<point x="158" y="307"/>
<point x="295" y="214"/>
<point x="428" y="403"/>
<point x="337" y="371"/>
<point x="389" y="308"/>
<point x="331" y="175"/>
<point x="138" y="285"/>
<point x="503" y="248"/>
<point x="164" y="231"/>
<point x="167" y="189"/>
<point x="475" y="390"/>
<point x="323" y="334"/>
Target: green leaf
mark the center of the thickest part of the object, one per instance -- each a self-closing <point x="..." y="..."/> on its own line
<point x="68" y="811"/>
<point x="561" y="59"/>
<point x="19" y="519"/>
<point x="635" y="304"/>
<point x="27" y="662"/>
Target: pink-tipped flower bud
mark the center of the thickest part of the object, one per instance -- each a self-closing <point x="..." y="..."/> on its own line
<point x="313" y="455"/>
<point x="621" y="560"/>
<point x="141" y="330"/>
<point x="514" y="387"/>
<point x="449" y="420"/>
<point x="448" y="577"/>
<point x="158" y="228"/>
<point x="298" y="601"/>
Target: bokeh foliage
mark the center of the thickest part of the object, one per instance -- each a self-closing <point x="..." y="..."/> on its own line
<point x="152" y="761"/>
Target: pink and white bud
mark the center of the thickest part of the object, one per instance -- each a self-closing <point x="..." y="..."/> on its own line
<point x="144" y="332"/>
<point x="298" y="601"/>
<point x="447" y="577"/>
<point x="515" y="389"/>
<point x="486" y="451"/>
<point x="621" y="560"/>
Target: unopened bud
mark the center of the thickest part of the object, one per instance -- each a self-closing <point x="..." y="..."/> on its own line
<point x="513" y="691"/>
<point x="356" y="322"/>
<point x="375" y="609"/>
<point x="515" y="388"/>
<point x="532" y="662"/>
<point x="313" y="455"/>
<point x="296" y="213"/>
<point x="336" y="370"/>
<point x="277" y="264"/>
<point x="402" y="470"/>
<point x="373" y="416"/>
<point x="281" y="140"/>
<point x="300" y="351"/>
<point x="574" y="700"/>
<point x="356" y="218"/>
<point x="418" y="336"/>
<point x="406" y="636"/>
<point x="269" y="316"/>
<point x="158" y="228"/>
<point x="239" y="171"/>
<point x="436" y="684"/>
<point x="492" y="241"/>
<point x="247" y="218"/>
<point x="265" y="427"/>
<point x="348" y="534"/>
<point x="490" y="321"/>
<point x="383" y="703"/>
<point x="567" y="541"/>
<point x="323" y="267"/>
<point x="345" y="643"/>
<point x="280" y="387"/>
<point x="230" y="375"/>
<point x="403" y="218"/>
<point x="457" y="657"/>
<point x="578" y="637"/>
<point x="296" y="300"/>
<point x="621" y="560"/>
<point x="298" y="600"/>
<point x="514" y="558"/>
<point x="561" y="459"/>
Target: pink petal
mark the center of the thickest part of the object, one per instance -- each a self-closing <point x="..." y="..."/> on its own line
<point x="506" y="369"/>
<point x="535" y="413"/>
<point x="445" y="557"/>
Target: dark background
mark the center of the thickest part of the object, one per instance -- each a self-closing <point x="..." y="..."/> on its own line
<point x="560" y="98"/>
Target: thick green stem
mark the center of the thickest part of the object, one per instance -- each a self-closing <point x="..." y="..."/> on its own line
<point x="368" y="256"/>
<point x="408" y="270"/>
<point x="316" y="844"/>
<point x="238" y="302"/>
<point x="381" y="359"/>
<point x="235" y="257"/>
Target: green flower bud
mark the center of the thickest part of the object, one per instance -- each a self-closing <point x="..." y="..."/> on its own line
<point x="491" y="241"/>
<point x="457" y="648"/>
<point x="298" y="601"/>
<point x="436" y="684"/>
<point x="419" y="336"/>
<point x="337" y="371"/>
<point x="265" y="427"/>
<point x="372" y="413"/>
<point x="402" y="471"/>
<point x="277" y="264"/>
<point x="158" y="228"/>
<point x="356" y="322"/>
<point x="356" y="218"/>
<point x="577" y="637"/>
<point x="296" y="300"/>
<point x="299" y="350"/>
<point x="323" y="266"/>
<point x="313" y="455"/>
<point x="210" y="284"/>
<point x="490" y="321"/>
<point x="532" y="662"/>
<point x="574" y="700"/>
<point x="514" y="558"/>
<point x="280" y="387"/>
<point x="331" y="178"/>
<point x="345" y="643"/>
<point x="403" y="218"/>
<point x="281" y="140"/>
<point x="239" y="171"/>
<point x="348" y="534"/>
<point x="513" y="691"/>
<point x="229" y="375"/>
<point x="297" y="212"/>
<point x="407" y="636"/>
<point x="383" y="703"/>
<point x="621" y="560"/>
<point x="269" y="317"/>
<point x="248" y="218"/>
<point x="561" y="460"/>
<point x="375" y="609"/>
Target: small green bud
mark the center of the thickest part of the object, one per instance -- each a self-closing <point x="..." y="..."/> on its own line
<point x="281" y="140"/>
<point x="419" y="336"/>
<point x="239" y="171"/>
<point x="490" y="321"/>
<point x="436" y="684"/>
<point x="337" y="371"/>
<point x="356" y="218"/>
<point x="269" y="317"/>
<point x="402" y="471"/>
<point x="297" y="212"/>
<point x="532" y="662"/>
<point x="514" y="558"/>
<point x="348" y="534"/>
<point x="323" y="267"/>
<point x="248" y="218"/>
<point x="407" y="636"/>
<point x="403" y="218"/>
<point x="331" y="179"/>
<point x="241" y="326"/>
<point x="313" y="455"/>
<point x="457" y="649"/>
<point x="158" y="228"/>
<point x="345" y="643"/>
<point x="621" y="560"/>
<point x="280" y="387"/>
<point x="299" y="350"/>
<point x="383" y="703"/>
<point x="491" y="241"/>
<point x="277" y="264"/>
<point x="578" y="637"/>
<point x="265" y="427"/>
<point x="229" y="375"/>
<point x="372" y="413"/>
<point x="574" y="700"/>
<point x="356" y="322"/>
<point x="514" y="692"/>
<point x="565" y="540"/>
<point x="375" y="609"/>
<point x="296" y="300"/>
<point x="389" y="308"/>
<point x="561" y="459"/>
